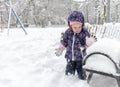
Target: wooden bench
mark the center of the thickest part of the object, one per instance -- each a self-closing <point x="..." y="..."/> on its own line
<point x="93" y="71"/>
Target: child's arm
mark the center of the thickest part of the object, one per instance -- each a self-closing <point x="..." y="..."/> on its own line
<point x="63" y="44"/>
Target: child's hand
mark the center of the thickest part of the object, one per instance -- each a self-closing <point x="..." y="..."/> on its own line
<point x="59" y="52"/>
<point x="94" y="37"/>
<point x="90" y="40"/>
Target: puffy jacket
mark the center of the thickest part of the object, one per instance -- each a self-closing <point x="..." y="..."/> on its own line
<point x="73" y="42"/>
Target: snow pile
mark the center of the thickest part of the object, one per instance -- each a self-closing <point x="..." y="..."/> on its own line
<point x="100" y="62"/>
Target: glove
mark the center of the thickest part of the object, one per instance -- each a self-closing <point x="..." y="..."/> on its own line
<point x="90" y="40"/>
<point x="59" y="52"/>
<point x="93" y="36"/>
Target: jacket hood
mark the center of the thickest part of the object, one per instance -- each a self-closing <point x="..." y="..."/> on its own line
<point x="76" y="16"/>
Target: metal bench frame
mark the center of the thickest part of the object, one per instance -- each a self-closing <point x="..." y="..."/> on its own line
<point x="117" y="77"/>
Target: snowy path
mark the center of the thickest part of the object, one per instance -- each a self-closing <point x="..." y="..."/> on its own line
<point x="29" y="61"/>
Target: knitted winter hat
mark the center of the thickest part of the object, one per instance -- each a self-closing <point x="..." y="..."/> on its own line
<point x="75" y="17"/>
<point x="74" y="22"/>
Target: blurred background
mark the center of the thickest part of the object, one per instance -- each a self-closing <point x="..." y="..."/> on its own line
<point x="44" y="13"/>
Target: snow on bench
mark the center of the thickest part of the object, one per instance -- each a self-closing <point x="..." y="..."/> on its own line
<point x="106" y="46"/>
<point x="103" y="57"/>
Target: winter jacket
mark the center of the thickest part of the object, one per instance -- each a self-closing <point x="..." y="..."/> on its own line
<point x="73" y="42"/>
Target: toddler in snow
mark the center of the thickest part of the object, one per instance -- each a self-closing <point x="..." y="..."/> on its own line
<point x="75" y="39"/>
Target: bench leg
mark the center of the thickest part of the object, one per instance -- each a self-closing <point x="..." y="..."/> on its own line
<point x="84" y="74"/>
<point x="118" y="81"/>
<point x="89" y="77"/>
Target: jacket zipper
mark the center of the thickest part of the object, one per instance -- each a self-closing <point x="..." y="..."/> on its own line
<point x="73" y="57"/>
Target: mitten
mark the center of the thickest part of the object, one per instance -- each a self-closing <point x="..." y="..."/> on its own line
<point x="59" y="50"/>
<point x="90" y="40"/>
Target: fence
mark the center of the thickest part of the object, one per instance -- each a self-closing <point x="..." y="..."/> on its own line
<point x="109" y="30"/>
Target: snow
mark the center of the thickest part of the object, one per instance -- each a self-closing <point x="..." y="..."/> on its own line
<point x="101" y="63"/>
<point x="29" y="60"/>
<point x="79" y="0"/>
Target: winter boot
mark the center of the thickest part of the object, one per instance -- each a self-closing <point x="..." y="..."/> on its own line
<point x="70" y="69"/>
<point x="81" y="76"/>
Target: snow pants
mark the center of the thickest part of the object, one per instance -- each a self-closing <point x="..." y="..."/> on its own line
<point x="73" y="66"/>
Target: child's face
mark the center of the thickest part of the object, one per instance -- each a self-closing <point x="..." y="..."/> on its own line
<point x="76" y="27"/>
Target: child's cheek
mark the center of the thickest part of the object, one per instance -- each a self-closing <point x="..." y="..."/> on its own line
<point x="79" y="31"/>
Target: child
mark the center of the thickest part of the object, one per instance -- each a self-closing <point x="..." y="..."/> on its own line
<point x="74" y="40"/>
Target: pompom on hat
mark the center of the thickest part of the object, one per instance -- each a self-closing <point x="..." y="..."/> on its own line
<point x="76" y="17"/>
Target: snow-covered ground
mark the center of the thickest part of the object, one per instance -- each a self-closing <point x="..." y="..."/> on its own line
<point x="29" y="61"/>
